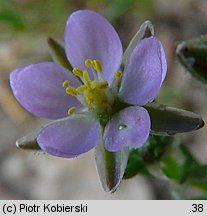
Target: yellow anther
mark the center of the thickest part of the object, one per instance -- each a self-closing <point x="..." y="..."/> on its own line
<point x="77" y="72"/>
<point x="86" y="78"/>
<point x="102" y="85"/>
<point x="66" y="84"/>
<point x="97" y="65"/>
<point x="88" y="62"/>
<point x="81" y="88"/>
<point x="71" y="91"/>
<point x="71" y="110"/>
<point x="118" y="74"/>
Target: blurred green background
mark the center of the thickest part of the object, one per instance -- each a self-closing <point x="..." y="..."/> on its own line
<point x="25" y="26"/>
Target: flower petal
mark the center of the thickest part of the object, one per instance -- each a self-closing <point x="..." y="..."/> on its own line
<point x="70" y="137"/>
<point x="144" y="72"/>
<point x="130" y="127"/>
<point x="89" y="35"/>
<point x="38" y="87"/>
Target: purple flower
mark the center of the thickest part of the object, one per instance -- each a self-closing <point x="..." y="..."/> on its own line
<point x="96" y="100"/>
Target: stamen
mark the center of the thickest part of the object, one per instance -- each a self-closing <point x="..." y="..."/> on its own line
<point x="81" y="88"/>
<point x="86" y="78"/>
<point x="71" y="91"/>
<point x="118" y="74"/>
<point x="71" y="110"/>
<point x="77" y="72"/>
<point x="88" y="62"/>
<point x="91" y="93"/>
<point x="66" y="84"/>
<point x="97" y="65"/>
<point x="102" y="85"/>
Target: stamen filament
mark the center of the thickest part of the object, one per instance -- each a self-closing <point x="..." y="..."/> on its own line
<point x="81" y="88"/>
<point x="86" y="78"/>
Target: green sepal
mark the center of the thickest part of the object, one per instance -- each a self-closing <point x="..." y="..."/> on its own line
<point x="192" y="54"/>
<point x="29" y="142"/>
<point x="169" y="120"/>
<point x="58" y="53"/>
<point x="110" y="166"/>
<point x="145" y="30"/>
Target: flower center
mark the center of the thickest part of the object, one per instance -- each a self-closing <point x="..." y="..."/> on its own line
<point x="93" y="93"/>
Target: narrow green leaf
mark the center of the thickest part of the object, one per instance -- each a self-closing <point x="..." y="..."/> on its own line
<point x="149" y="153"/>
<point x="181" y="166"/>
<point x="190" y="167"/>
<point x="110" y="166"/>
<point x="171" y="168"/>
<point x="135" y="165"/>
<point x="169" y="120"/>
<point x="192" y="54"/>
<point x="155" y="147"/>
